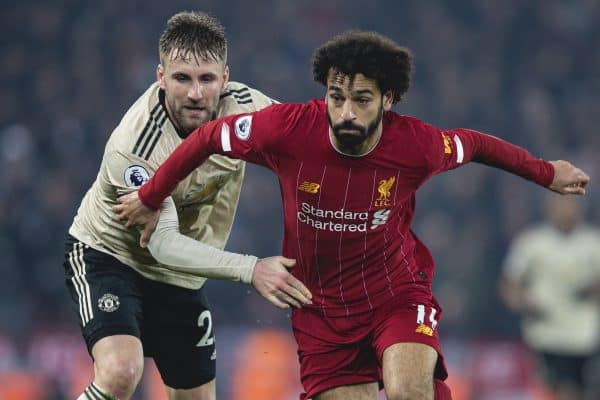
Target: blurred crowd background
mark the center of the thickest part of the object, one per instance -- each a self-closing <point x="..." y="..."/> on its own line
<point x="525" y="70"/>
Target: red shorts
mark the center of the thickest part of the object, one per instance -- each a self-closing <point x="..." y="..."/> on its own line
<point x="348" y="350"/>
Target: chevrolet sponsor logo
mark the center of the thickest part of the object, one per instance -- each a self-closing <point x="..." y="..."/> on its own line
<point x="424" y="329"/>
<point x="309" y="187"/>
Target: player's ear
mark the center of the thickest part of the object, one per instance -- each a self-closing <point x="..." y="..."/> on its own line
<point x="388" y="99"/>
<point x="160" y="76"/>
<point x="225" y="76"/>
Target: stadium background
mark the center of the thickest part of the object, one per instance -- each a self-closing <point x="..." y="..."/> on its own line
<point x="525" y="70"/>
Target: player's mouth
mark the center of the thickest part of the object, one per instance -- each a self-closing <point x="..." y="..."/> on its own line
<point x="353" y="132"/>
<point x="194" y="111"/>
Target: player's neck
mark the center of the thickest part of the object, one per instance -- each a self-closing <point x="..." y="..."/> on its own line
<point x="361" y="149"/>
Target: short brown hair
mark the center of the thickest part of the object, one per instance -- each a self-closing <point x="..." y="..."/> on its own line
<point x="194" y="34"/>
<point x="369" y="53"/>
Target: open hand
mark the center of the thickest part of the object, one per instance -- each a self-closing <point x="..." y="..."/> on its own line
<point x="273" y="281"/>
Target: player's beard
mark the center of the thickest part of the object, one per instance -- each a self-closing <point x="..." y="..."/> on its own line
<point x="188" y="125"/>
<point x="185" y="124"/>
<point x="349" y="141"/>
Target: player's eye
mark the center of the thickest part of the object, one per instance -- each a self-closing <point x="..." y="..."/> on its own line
<point x="207" y="78"/>
<point x="181" y="78"/>
<point x="363" y="100"/>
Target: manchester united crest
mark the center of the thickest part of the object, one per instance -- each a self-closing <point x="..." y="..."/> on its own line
<point x="108" y="302"/>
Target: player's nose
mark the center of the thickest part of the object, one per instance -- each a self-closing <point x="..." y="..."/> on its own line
<point x="195" y="92"/>
<point x="347" y="111"/>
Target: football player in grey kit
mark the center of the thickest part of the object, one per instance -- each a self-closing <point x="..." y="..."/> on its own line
<point x="134" y="302"/>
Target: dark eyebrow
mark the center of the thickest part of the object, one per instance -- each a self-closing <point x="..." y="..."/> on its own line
<point x="363" y="91"/>
<point x="334" y="88"/>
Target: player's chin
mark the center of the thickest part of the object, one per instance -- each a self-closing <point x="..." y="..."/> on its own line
<point x="350" y="140"/>
<point x="192" y="123"/>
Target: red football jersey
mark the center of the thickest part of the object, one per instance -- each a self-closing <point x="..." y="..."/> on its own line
<point x="347" y="219"/>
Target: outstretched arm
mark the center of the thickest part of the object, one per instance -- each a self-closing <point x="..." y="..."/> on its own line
<point x="559" y="176"/>
<point x="452" y="148"/>
<point x="270" y="276"/>
<point x="182" y="253"/>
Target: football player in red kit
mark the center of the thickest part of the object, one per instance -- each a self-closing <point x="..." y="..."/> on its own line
<point x="349" y="169"/>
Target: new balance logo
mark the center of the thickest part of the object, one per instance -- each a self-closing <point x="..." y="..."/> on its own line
<point x="424" y="329"/>
<point x="447" y="144"/>
<point x="309" y="187"/>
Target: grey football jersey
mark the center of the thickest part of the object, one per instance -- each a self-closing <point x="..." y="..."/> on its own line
<point x="206" y="200"/>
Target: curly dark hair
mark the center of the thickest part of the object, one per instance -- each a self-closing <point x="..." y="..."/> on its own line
<point x="369" y="53"/>
<point x="193" y="33"/>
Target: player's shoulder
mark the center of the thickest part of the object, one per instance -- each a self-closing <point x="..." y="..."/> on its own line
<point x="311" y="107"/>
<point x="239" y="98"/>
<point x="301" y="114"/>
<point x="146" y="118"/>
<point x="143" y="136"/>
<point x="296" y="112"/>
<point x="408" y="129"/>
<point x="409" y="123"/>
<point x="285" y="118"/>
